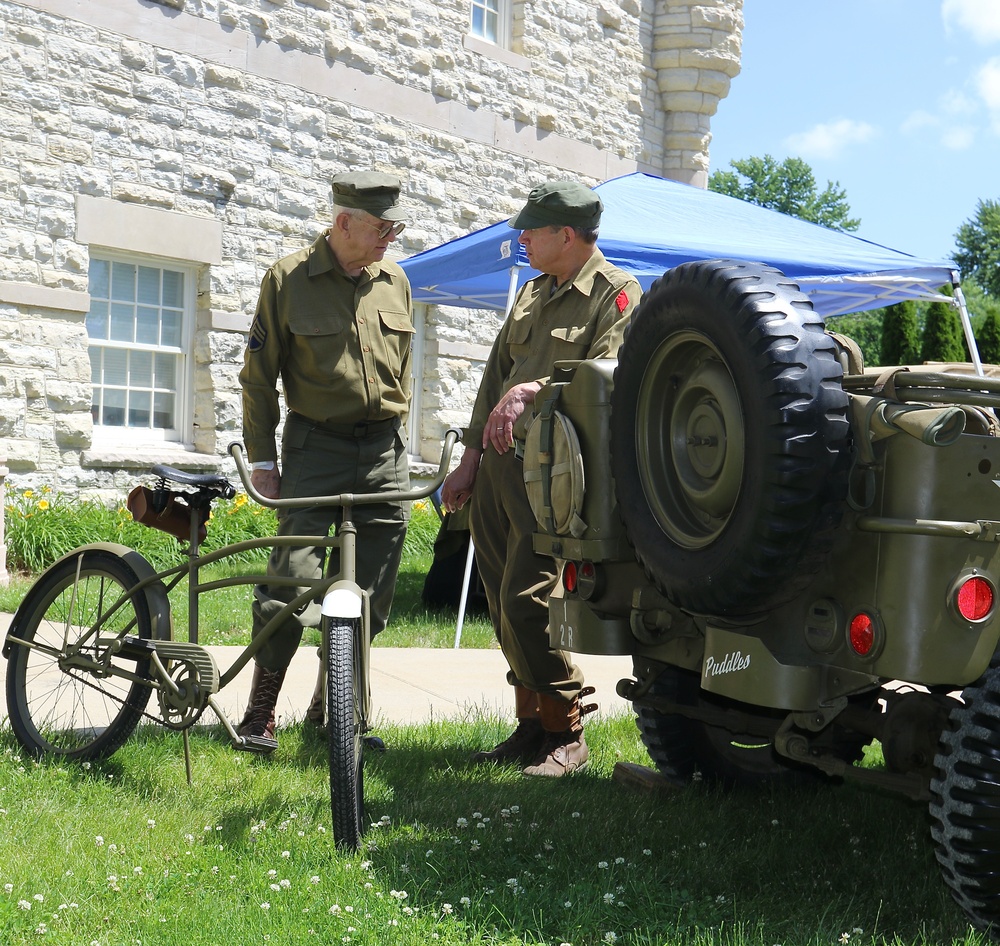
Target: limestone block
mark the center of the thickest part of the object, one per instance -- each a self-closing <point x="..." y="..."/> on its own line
<point x="73" y="429"/>
<point x="136" y="55"/>
<point x="67" y="396"/>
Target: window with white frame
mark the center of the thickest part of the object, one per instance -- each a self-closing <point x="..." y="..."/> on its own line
<point x="491" y="20"/>
<point x="140" y="326"/>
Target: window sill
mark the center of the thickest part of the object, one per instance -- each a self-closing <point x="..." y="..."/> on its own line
<point x="145" y="457"/>
<point x="491" y="51"/>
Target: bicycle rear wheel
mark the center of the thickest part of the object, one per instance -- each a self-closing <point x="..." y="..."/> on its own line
<point x="68" y="693"/>
<point x="345" y="682"/>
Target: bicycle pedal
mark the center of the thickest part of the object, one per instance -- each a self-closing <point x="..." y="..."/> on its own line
<point x="258" y="744"/>
<point x="374" y="743"/>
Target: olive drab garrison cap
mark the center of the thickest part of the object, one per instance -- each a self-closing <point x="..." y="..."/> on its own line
<point x="559" y="204"/>
<point x="371" y="191"/>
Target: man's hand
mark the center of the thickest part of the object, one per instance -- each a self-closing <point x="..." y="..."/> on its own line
<point x="458" y="484"/>
<point x="267" y="483"/>
<point x="499" y="429"/>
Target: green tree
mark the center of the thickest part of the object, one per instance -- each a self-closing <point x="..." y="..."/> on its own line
<point x="943" y="337"/>
<point x="900" y="334"/>
<point x="978" y="241"/>
<point x="865" y="328"/>
<point x="988" y="339"/>
<point x="788" y="187"/>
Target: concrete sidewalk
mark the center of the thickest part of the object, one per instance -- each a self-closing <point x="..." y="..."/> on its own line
<point x="410" y="685"/>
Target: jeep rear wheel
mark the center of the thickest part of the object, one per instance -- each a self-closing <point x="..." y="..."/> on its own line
<point x="729" y="437"/>
<point x="965" y="802"/>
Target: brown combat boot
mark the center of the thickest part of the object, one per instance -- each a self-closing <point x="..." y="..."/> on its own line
<point x="257" y="727"/>
<point x="563" y="749"/>
<point x="523" y="743"/>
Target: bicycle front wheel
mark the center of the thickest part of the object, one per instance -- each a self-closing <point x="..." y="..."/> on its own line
<point x="68" y="692"/>
<point x="345" y="684"/>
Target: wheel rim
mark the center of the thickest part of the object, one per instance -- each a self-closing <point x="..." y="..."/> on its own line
<point x="690" y="438"/>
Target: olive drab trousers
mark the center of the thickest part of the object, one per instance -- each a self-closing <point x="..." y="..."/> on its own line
<point x="315" y="461"/>
<point x="516" y="579"/>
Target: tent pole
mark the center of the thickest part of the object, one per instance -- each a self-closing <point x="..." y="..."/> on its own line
<point x="511" y="293"/>
<point x="963" y="314"/>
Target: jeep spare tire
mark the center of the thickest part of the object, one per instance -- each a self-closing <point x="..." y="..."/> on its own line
<point x="729" y="437"/>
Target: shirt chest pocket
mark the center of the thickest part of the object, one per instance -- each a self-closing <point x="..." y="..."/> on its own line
<point x="571" y="342"/>
<point x="321" y="344"/>
<point x="397" y="335"/>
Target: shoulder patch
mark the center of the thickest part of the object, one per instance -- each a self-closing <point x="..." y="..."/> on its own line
<point x="258" y="336"/>
<point x="622" y="301"/>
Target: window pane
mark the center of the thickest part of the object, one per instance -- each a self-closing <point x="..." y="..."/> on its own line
<point x="96" y="354"/>
<point x="171" y="328"/>
<point x="149" y="286"/>
<point x="115" y="367"/>
<point x="99" y="278"/>
<point x="140" y="369"/>
<point x="477" y="20"/>
<point x="122" y="322"/>
<point x="139" y="409"/>
<point x="147" y="327"/>
<point x="123" y="282"/>
<point x="163" y="410"/>
<point x="113" y="412"/>
<point x="166" y="377"/>
<point x="97" y="318"/>
<point x="173" y="289"/>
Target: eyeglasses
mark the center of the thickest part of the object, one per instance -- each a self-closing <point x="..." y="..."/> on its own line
<point x="388" y="229"/>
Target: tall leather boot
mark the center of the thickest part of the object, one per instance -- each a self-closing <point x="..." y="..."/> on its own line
<point x="257" y="726"/>
<point x="563" y="749"/>
<point x="523" y="743"/>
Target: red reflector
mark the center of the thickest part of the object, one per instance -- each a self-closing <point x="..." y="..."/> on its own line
<point x="975" y="599"/>
<point x="862" y="633"/>
<point x="569" y="576"/>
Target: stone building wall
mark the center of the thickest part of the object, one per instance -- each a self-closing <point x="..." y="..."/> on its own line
<point x="206" y="132"/>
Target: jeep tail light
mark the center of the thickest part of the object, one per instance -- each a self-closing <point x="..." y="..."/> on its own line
<point x="975" y="598"/>
<point x="862" y="633"/>
<point x="570" y="577"/>
<point x="587" y="580"/>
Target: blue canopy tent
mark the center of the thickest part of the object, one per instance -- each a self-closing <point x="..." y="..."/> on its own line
<point x="651" y="224"/>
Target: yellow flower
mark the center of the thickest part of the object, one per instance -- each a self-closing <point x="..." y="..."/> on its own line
<point x="43" y="504"/>
<point x="28" y="493"/>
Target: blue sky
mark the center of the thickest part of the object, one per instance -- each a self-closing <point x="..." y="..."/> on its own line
<point x="897" y="101"/>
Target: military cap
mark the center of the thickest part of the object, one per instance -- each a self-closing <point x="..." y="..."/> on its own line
<point x="559" y="204"/>
<point x="372" y="191"/>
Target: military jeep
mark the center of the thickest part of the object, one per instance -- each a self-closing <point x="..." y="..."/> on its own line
<point x="801" y="555"/>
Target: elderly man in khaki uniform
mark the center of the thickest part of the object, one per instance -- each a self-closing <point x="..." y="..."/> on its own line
<point x="578" y="309"/>
<point x="334" y="323"/>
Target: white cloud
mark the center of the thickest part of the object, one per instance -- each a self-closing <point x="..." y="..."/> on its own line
<point x="988" y="86"/>
<point x="958" y="137"/>
<point x="918" y="121"/>
<point x="979" y="18"/>
<point x="829" y="139"/>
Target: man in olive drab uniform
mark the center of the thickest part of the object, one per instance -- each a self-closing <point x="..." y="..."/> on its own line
<point x="578" y="309"/>
<point x="334" y="323"/>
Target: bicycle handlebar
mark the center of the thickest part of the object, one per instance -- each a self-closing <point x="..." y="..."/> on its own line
<point x="451" y="437"/>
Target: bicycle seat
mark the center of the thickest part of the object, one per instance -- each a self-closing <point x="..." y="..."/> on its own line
<point x="210" y="481"/>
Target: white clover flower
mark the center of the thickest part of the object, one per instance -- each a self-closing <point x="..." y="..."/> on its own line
<point x="314" y="879"/>
<point x="99" y="841"/>
<point x="465" y="901"/>
<point x="845" y="937"/>
<point x="286" y="854"/>
<point x="462" y="822"/>
<point x="602" y="865"/>
<point x="284" y="884"/>
<point x="646" y="852"/>
<point x="447" y="908"/>
<point x="609" y="898"/>
<point x="619" y="860"/>
<point x="274" y="887"/>
<point x="24" y="904"/>
<point x="265" y="906"/>
<point x="272" y="873"/>
<point x="568" y="904"/>
<point x="575" y="814"/>
<point x="8" y="888"/>
<point x="335" y="909"/>
<point x="151" y="822"/>
<point x="40" y="897"/>
<point x="609" y="938"/>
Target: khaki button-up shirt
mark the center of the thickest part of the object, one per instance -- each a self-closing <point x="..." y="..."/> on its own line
<point x="341" y="346"/>
<point x="584" y="318"/>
